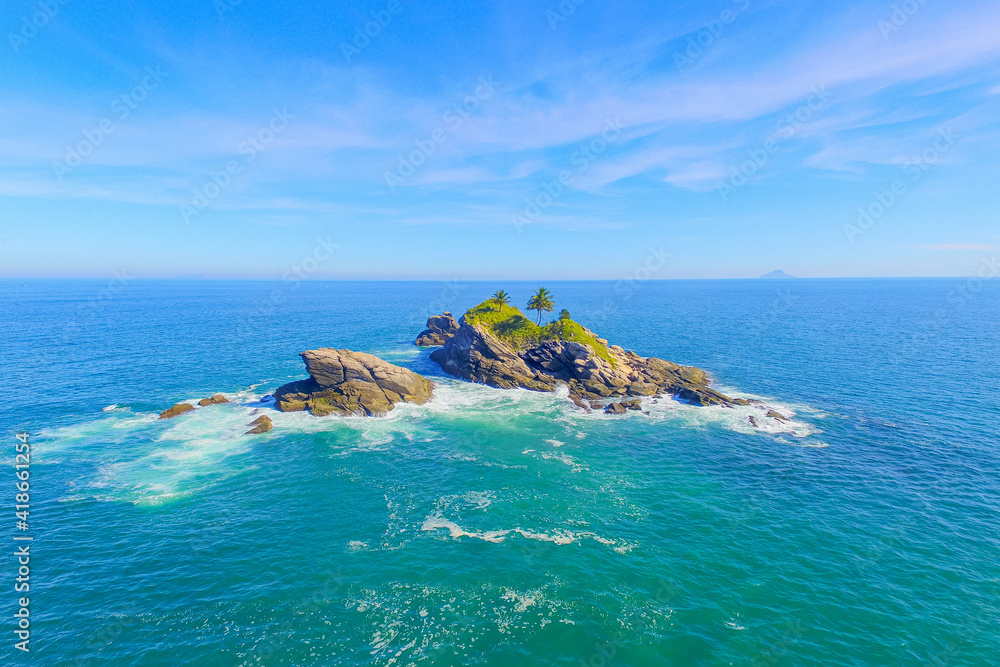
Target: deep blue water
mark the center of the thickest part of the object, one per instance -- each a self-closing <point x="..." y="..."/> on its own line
<point x="493" y="527"/>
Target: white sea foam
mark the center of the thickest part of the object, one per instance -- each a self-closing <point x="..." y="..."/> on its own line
<point x="560" y="537"/>
<point x="565" y="459"/>
<point x="144" y="459"/>
<point x="437" y="521"/>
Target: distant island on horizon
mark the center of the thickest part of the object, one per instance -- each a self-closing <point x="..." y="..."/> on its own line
<point x="776" y="274"/>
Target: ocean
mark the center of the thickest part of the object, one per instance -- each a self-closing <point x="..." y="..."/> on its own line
<point x="493" y="527"/>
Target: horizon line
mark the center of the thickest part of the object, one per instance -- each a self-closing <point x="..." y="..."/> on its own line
<point x="198" y="278"/>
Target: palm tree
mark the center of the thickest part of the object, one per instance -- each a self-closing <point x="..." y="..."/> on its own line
<point x="541" y="302"/>
<point x="501" y="298"/>
<point x="564" y="314"/>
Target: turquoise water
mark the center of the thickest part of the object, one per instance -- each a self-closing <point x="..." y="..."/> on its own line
<point x="505" y="527"/>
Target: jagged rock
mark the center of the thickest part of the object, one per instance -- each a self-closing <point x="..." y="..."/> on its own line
<point x="262" y="424"/>
<point x="346" y="382"/>
<point x="642" y="389"/>
<point x="440" y="329"/>
<point x="178" y="409"/>
<point x="615" y="409"/>
<point x="774" y="415"/>
<point x="477" y="354"/>
<point x="632" y="404"/>
<point x="753" y="421"/>
<point x="218" y="398"/>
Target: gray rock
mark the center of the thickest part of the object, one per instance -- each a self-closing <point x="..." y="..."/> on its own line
<point x="440" y="329"/>
<point x="474" y="353"/>
<point x="214" y="400"/>
<point x="262" y="424"/>
<point x="178" y="409"/>
<point x="346" y="382"/>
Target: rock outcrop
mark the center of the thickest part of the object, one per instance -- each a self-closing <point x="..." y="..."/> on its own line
<point x="178" y="409"/>
<point x="440" y="329"/>
<point x="477" y="354"/>
<point x="262" y="424"/>
<point x="214" y="400"/>
<point x="351" y="383"/>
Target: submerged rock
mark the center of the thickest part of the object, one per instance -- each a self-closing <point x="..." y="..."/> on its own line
<point x="774" y="415"/>
<point x="178" y="409"/>
<point x="440" y="329"/>
<point x="262" y="424"/>
<point x="345" y="382"/>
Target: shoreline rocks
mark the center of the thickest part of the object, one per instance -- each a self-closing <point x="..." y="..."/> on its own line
<point x="214" y="400"/>
<point x="440" y="329"/>
<point x="351" y="383"/>
<point x="178" y="409"/>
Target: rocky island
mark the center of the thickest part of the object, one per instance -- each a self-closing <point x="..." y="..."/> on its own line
<point x="351" y="383"/>
<point x="494" y="344"/>
<point x="498" y="346"/>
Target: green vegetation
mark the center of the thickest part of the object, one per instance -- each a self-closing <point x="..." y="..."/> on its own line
<point x="510" y="325"/>
<point x="564" y="314"/>
<point x="541" y="302"/>
<point x="501" y="298"/>
<point x="567" y="329"/>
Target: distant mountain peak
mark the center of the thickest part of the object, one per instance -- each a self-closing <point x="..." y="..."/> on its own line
<point x="777" y="274"/>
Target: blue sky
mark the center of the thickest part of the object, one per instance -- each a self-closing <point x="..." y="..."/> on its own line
<point x="457" y="140"/>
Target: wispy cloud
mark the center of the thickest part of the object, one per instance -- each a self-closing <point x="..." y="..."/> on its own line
<point x="957" y="246"/>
